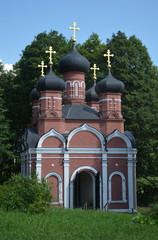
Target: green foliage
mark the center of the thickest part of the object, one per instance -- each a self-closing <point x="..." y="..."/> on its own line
<point x="94" y="50"/>
<point x="141" y="219"/>
<point x="132" y="65"/>
<point x="28" y="71"/>
<point x="154" y="210"/>
<point x="70" y="224"/>
<point x="25" y="194"/>
<point x="147" y="189"/>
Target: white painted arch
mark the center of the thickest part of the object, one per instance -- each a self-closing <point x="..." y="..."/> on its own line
<point x="87" y="128"/>
<point x="118" y="134"/>
<point x="51" y="133"/>
<point x="82" y="168"/>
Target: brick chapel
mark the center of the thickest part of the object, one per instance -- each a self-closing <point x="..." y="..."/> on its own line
<point x="77" y="142"/>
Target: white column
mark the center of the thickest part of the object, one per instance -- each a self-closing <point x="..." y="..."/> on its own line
<point x="104" y="179"/>
<point x="71" y="193"/>
<point x="130" y="183"/>
<point x="135" y="193"/>
<point x="38" y="166"/>
<point x="66" y="180"/>
<point x="101" y="194"/>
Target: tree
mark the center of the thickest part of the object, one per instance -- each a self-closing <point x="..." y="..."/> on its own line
<point x="28" y="72"/>
<point x="93" y="50"/>
<point x="132" y="65"/>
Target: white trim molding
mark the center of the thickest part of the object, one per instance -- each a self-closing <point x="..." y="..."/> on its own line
<point x="87" y="128"/>
<point x="118" y="134"/>
<point x="60" y="187"/>
<point x="51" y="133"/>
<point x="124" y="200"/>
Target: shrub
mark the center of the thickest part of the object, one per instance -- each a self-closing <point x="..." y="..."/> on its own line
<point x="147" y="189"/>
<point x="25" y="194"/>
<point x="141" y="219"/>
<point x="154" y="210"/>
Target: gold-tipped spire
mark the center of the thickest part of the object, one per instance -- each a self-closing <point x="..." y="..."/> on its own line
<point x="108" y="54"/>
<point x="50" y="51"/>
<point x="94" y="68"/>
<point x="42" y="66"/>
<point x="74" y="28"/>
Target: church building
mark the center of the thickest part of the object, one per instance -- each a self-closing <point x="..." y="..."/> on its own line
<point x="77" y="141"/>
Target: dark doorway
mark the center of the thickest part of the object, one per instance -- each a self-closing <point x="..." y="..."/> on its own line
<point x="86" y="190"/>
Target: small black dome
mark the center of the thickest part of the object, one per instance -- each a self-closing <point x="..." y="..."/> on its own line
<point x="74" y="62"/>
<point x="50" y="82"/>
<point x="91" y="95"/>
<point x="109" y="84"/>
<point x="129" y="134"/>
<point x="34" y="95"/>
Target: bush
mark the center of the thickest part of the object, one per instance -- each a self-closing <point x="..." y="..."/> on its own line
<point x="147" y="189"/>
<point x="154" y="210"/>
<point x="25" y="194"/>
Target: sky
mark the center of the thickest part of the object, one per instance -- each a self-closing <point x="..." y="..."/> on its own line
<point x="22" y="20"/>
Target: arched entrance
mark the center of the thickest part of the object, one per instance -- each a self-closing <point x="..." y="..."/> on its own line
<point x="86" y="190"/>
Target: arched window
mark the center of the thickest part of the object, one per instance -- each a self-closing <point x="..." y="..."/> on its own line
<point x="76" y="89"/>
<point x="56" y="181"/>
<point x="117" y="188"/>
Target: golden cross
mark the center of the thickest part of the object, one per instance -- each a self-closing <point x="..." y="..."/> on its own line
<point x="50" y="51"/>
<point x="42" y="68"/>
<point x="94" y="68"/>
<point x="108" y="55"/>
<point x="74" y="28"/>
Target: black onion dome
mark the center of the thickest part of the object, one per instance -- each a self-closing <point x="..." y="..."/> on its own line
<point x="110" y="84"/>
<point x="74" y="62"/>
<point x="50" y="82"/>
<point x="91" y="95"/>
<point x="34" y="95"/>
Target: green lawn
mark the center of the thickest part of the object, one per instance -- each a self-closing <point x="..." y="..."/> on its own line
<point x="69" y="224"/>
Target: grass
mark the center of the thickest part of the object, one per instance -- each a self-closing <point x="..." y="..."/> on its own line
<point x="73" y="224"/>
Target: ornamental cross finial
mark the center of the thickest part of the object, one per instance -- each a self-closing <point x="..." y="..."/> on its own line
<point x="50" y="51"/>
<point x="42" y="66"/>
<point x="74" y="28"/>
<point x="94" y="68"/>
<point x="108" y="55"/>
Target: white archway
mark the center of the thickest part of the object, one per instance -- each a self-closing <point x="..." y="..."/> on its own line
<point x="83" y="168"/>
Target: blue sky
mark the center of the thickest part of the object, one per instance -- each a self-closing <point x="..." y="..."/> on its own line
<point x="21" y="20"/>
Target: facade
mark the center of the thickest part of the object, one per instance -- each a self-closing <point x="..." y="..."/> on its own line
<point x="77" y="140"/>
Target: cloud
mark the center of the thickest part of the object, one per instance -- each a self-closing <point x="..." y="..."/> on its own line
<point x="8" y="67"/>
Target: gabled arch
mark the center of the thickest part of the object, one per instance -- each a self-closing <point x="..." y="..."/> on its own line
<point x="87" y="128"/>
<point x="118" y="134"/>
<point x="51" y="133"/>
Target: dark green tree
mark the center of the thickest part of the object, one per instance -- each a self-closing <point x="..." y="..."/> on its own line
<point x="6" y="153"/>
<point x="94" y="50"/>
<point x="132" y="65"/>
<point x="28" y="71"/>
